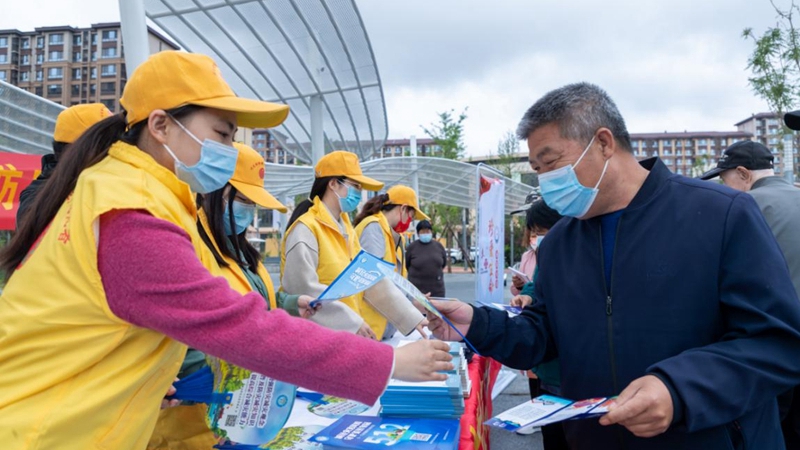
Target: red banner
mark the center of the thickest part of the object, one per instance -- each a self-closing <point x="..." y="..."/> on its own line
<point x="16" y="173"/>
<point x="478" y="407"/>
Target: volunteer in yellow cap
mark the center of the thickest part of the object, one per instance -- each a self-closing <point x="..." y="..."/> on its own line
<point x="320" y="242"/>
<point x="71" y="123"/>
<point x="111" y="279"/>
<point x="380" y="227"/>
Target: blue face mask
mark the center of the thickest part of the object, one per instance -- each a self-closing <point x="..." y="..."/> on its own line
<point x="350" y="202"/>
<point x="426" y="238"/>
<point x="242" y="216"/>
<point x="539" y="241"/>
<point x="213" y="170"/>
<point x="563" y="192"/>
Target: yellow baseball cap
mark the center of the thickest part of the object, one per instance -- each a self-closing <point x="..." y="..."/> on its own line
<point x="171" y="79"/>
<point x="72" y="122"/>
<point x="404" y="195"/>
<point x="345" y="164"/>
<point x="248" y="178"/>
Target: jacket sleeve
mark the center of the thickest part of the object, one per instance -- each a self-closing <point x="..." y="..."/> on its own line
<point x="756" y="358"/>
<point x="519" y="342"/>
<point x="392" y="304"/>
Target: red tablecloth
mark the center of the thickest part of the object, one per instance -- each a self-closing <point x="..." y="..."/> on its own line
<point x="478" y="407"/>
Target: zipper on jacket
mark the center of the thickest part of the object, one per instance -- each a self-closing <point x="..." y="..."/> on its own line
<point x="610" y="300"/>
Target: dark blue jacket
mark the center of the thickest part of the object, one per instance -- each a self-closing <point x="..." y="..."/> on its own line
<point x="700" y="297"/>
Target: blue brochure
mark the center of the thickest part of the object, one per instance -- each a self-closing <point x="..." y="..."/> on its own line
<point x="360" y="432"/>
<point x="363" y="272"/>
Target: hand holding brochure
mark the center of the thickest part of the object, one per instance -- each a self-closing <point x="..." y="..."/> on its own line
<point x="547" y="409"/>
<point x="522" y="275"/>
<point x="362" y="273"/>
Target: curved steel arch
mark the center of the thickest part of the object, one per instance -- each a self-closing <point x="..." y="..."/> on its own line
<point x="332" y="67"/>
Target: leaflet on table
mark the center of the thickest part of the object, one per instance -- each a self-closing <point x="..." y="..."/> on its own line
<point x="362" y="273"/>
<point x="259" y="405"/>
<point x="514" y="310"/>
<point x="290" y="438"/>
<point x="330" y="406"/>
<point x="520" y="274"/>
<point x="359" y="432"/>
<point x="547" y="409"/>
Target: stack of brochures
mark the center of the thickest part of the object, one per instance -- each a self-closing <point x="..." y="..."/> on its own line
<point x="432" y="399"/>
<point x="547" y="409"/>
<point x="360" y="432"/>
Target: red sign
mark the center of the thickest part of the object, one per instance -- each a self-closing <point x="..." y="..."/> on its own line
<point x="16" y="173"/>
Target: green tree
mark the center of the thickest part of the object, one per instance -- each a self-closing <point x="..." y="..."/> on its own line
<point x="448" y="133"/>
<point x="775" y="61"/>
<point x="507" y="149"/>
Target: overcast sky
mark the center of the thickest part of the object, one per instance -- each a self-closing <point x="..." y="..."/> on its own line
<point x="670" y="64"/>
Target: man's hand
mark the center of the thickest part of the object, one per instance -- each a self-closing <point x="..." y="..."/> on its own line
<point x="517" y="281"/>
<point x="521" y="300"/>
<point x="366" y="332"/>
<point x="304" y="306"/>
<point x="644" y="408"/>
<point x="459" y="313"/>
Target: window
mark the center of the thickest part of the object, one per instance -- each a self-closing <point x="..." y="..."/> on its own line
<point x="94" y="56"/>
<point x="110" y="52"/>
<point x="92" y="89"/>
<point x="55" y="73"/>
<point x="76" y="74"/>
<point x="40" y="42"/>
<point x="56" y="38"/>
<point x="76" y="39"/>
<point x="94" y="72"/>
<point x="2" y="75"/>
<point x="26" y="43"/>
<point x="679" y="152"/>
<point x="76" y="56"/>
<point x="110" y="35"/>
<point x="94" y="39"/>
<point x="701" y="142"/>
<point x="76" y="90"/>
<point x="3" y="59"/>
<point x="53" y="90"/>
<point x="108" y="70"/>
<point x="107" y="88"/>
<point x="668" y="161"/>
<point x="3" y="42"/>
<point x="39" y="58"/>
<point x="56" y="56"/>
<point x="26" y="60"/>
<point x="24" y="76"/>
<point x="680" y="171"/>
<point x="39" y="76"/>
<point x="109" y="104"/>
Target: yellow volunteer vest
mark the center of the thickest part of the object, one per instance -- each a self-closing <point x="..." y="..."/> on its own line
<point x="234" y="274"/>
<point x="72" y="374"/>
<point x="375" y="320"/>
<point x="335" y="252"/>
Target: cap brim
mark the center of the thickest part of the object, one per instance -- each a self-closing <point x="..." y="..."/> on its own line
<point x="523" y="209"/>
<point x="419" y="215"/>
<point x="259" y="196"/>
<point x="249" y="113"/>
<point x="792" y="120"/>
<point x="367" y="183"/>
<point x="712" y="173"/>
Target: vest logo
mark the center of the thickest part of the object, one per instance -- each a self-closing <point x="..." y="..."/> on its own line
<point x="64" y="236"/>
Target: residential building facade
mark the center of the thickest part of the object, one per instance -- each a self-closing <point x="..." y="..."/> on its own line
<point x="70" y="65"/>
<point x="402" y="147"/>
<point x="767" y="129"/>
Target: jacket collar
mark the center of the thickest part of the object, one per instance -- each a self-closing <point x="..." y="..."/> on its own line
<point x="659" y="173"/>
<point x="770" y="181"/>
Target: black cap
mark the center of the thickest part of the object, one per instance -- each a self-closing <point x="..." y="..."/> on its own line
<point x="792" y="120"/>
<point x="751" y="155"/>
<point x="529" y="199"/>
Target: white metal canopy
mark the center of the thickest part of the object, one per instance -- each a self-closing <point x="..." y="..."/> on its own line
<point x="294" y="52"/>
<point x="27" y="121"/>
<point x="439" y="180"/>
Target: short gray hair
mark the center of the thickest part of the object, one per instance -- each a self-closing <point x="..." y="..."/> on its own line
<point x="579" y="110"/>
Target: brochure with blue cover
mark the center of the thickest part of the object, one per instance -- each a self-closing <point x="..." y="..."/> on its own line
<point x="363" y="272"/>
<point x="547" y="409"/>
<point x="364" y="433"/>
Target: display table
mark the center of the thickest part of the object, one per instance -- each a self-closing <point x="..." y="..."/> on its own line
<point x="477" y="407"/>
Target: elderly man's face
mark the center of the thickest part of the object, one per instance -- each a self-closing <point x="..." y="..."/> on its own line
<point x="549" y="151"/>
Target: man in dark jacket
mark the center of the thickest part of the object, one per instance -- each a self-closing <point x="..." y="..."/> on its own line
<point x="669" y="292"/>
<point x="747" y="166"/>
<point x="71" y="123"/>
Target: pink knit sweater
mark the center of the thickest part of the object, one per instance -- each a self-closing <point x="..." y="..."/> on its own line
<point x="153" y="279"/>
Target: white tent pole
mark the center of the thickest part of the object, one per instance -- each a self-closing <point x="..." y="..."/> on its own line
<point x="134" y="33"/>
